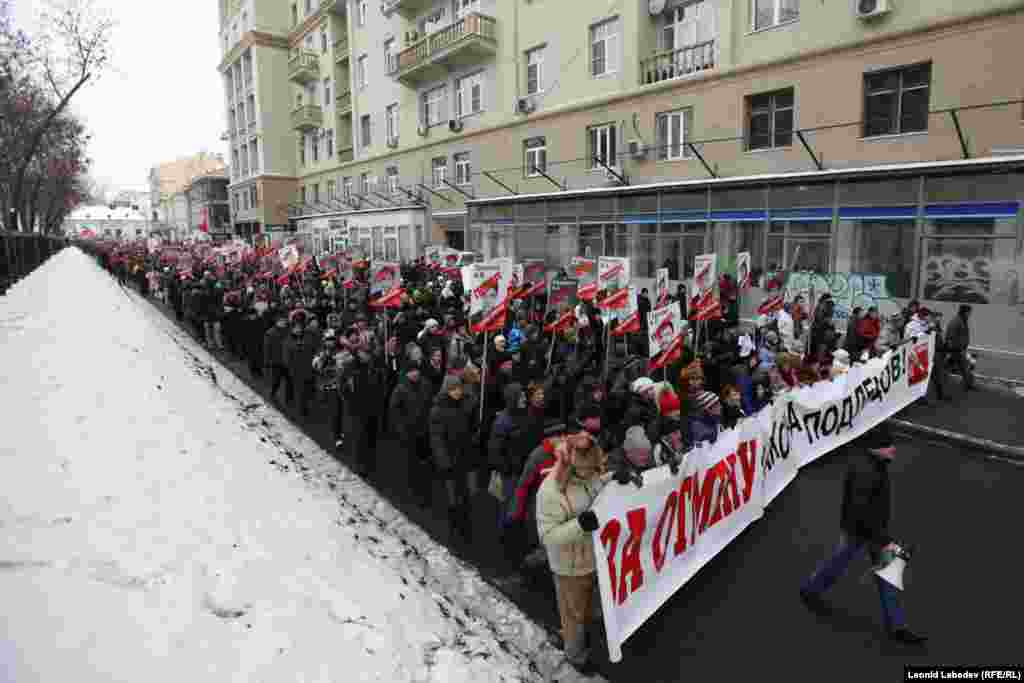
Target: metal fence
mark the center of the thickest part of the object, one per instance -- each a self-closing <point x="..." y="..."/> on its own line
<point x="21" y="253"/>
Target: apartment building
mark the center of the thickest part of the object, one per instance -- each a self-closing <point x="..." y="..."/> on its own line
<point x="524" y="127"/>
<point x="208" y="206"/>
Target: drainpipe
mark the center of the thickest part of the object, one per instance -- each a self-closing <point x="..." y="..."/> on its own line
<point x="515" y="43"/>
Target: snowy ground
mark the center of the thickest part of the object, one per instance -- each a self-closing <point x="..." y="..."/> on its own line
<point x="160" y="523"/>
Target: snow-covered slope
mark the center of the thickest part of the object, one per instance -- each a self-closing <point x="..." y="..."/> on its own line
<point x="159" y="523"/>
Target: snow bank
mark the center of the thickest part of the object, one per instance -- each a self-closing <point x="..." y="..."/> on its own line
<point x="160" y="523"/>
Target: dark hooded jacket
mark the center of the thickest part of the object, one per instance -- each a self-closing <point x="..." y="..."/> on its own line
<point x="514" y="434"/>
<point x="410" y="408"/>
<point x="451" y="434"/>
<point x="298" y="352"/>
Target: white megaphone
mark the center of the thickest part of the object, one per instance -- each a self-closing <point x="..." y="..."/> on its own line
<point x="891" y="566"/>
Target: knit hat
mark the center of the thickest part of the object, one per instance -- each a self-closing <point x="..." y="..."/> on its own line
<point x="637" y="446"/>
<point x="641" y="383"/>
<point x="669" y="403"/>
<point x="706" y="401"/>
<point x="841" y="359"/>
<point x="450" y="382"/>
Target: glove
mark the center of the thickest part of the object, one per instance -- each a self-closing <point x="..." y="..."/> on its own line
<point x="588" y="520"/>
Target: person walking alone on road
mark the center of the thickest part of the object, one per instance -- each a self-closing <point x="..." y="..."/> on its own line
<point x="958" y="339"/>
<point x="864" y="525"/>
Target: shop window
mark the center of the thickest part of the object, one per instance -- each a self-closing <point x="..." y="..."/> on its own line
<point x="770" y="120"/>
<point x="591" y="241"/>
<point x="971" y="261"/>
<point x="791" y="246"/>
<point x="884" y="248"/>
<point x="990" y="187"/>
<point x="746" y="198"/>
<point x="891" y="191"/>
<point x="681" y="243"/>
<point x="645" y="258"/>
<point x="896" y="100"/>
<point x="811" y="194"/>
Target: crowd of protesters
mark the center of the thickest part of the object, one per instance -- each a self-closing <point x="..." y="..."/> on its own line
<point x="540" y="421"/>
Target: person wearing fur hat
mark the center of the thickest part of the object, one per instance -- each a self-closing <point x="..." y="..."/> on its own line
<point x="452" y="425"/>
<point x="565" y="522"/>
<point x="409" y="414"/>
<point x="864" y="527"/>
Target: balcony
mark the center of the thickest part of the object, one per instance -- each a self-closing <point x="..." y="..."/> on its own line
<point x="463" y="43"/>
<point x="345" y="155"/>
<point x="308" y="117"/>
<point x="303" y="67"/>
<point x="344" y="102"/>
<point x="341" y="53"/>
<point x="407" y="9"/>
<point x="670" y="64"/>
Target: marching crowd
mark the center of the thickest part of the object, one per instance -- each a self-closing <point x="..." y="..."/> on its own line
<point x="542" y="421"/>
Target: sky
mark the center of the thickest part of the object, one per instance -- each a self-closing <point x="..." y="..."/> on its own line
<point x="162" y="98"/>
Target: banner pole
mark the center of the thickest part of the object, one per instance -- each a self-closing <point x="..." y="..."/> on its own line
<point x="607" y="349"/>
<point x="551" y="348"/>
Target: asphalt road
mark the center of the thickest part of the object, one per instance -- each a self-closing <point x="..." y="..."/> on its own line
<point x="741" y="618"/>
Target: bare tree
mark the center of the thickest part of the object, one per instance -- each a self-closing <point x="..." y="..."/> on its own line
<point x="72" y="50"/>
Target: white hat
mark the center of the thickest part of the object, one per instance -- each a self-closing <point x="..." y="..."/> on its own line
<point x="431" y="324"/>
<point x="841" y="358"/>
<point x="641" y="383"/>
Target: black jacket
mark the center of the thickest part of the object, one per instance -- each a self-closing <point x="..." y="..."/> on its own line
<point x="362" y="385"/>
<point x="451" y="434"/>
<point x="865" y="509"/>
<point x="410" y="408"/>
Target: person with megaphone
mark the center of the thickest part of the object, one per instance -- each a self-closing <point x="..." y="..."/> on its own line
<point x="864" y="523"/>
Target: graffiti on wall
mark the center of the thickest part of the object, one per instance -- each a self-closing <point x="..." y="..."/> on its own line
<point x="848" y="290"/>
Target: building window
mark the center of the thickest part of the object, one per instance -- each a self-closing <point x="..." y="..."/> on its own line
<point x="769" y="13"/>
<point x="391" y="122"/>
<point x="327" y="93"/>
<point x="603" y="48"/>
<point x="896" y="101"/>
<point x="331" y="191"/>
<point x="392" y="178"/>
<point x="463" y="170"/>
<point x="302" y="150"/>
<point x="770" y="120"/>
<point x="535" y="151"/>
<point x="309" y="7"/>
<point x="346" y="187"/>
<point x="361" y="72"/>
<point x="314" y="140"/>
<point x="316" y="193"/>
<point x="364" y="183"/>
<point x="439" y="171"/>
<point x="295" y="14"/>
<point x="602" y="145"/>
<point x="323" y="40"/>
<point x="330" y="143"/>
<point x="362" y="12"/>
<point x="535" y="71"/>
<point x="469" y="95"/>
<point x="364" y="130"/>
<point x="673" y="132"/>
<point x="389" y="54"/>
<point x="434" y="106"/>
<point x="255" y="151"/>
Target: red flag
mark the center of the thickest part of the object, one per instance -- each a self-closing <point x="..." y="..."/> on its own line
<point x="392" y="299"/>
<point x="613" y="271"/>
<point x="771" y="304"/>
<point x="283" y="280"/>
<point x="587" y="292"/>
<point x="568" y="319"/>
<point x="349" y="284"/>
<point x="488" y="284"/>
<point x="493" y="321"/>
<point x="670" y="355"/>
<point x="536" y="288"/>
<point x="628" y="326"/>
<point x="617" y="300"/>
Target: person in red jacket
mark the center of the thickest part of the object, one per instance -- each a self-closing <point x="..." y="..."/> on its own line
<point x="869" y="328"/>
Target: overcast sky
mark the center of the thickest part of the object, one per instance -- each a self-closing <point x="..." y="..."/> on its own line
<point x="163" y="98"/>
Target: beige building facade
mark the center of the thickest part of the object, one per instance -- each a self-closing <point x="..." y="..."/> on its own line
<point x="413" y="117"/>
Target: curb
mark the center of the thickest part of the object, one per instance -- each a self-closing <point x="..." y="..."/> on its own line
<point x="1001" y="383"/>
<point x="1015" y="453"/>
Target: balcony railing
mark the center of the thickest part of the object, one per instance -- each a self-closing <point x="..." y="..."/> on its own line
<point x="308" y="117"/>
<point x="473" y="36"/>
<point x="304" y="66"/>
<point x="664" y="66"/>
<point x="407" y="8"/>
<point x="341" y="50"/>
<point x="344" y="102"/>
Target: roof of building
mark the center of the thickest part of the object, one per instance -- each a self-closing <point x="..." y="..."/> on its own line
<point x="174" y="176"/>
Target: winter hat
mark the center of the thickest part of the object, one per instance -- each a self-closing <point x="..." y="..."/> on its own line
<point x="640" y="384"/>
<point x="669" y="403"/>
<point x="450" y="382"/>
<point x="706" y="401"/>
<point x="841" y="359"/>
<point x="431" y="324"/>
<point x="637" y="446"/>
<point x="746" y="346"/>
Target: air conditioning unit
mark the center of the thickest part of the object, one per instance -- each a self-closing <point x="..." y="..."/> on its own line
<point x="422" y="130"/>
<point x="872" y="8"/>
<point x="393" y="141"/>
<point x="525" y="105"/>
<point x="454" y="125"/>
<point x="637" y="150"/>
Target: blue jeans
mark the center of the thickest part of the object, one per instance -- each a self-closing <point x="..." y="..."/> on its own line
<point x="848" y="550"/>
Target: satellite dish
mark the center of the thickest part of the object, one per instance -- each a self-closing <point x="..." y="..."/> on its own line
<point x="656" y="7"/>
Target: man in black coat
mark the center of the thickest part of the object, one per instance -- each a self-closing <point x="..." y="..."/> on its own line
<point x="864" y="522"/>
<point x="362" y="388"/>
<point x="452" y="425"/>
<point x="409" y="413"/>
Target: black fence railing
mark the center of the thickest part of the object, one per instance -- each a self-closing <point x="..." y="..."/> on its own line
<point x="21" y="253"/>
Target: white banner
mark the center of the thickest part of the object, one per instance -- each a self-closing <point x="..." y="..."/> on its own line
<point x="652" y="540"/>
<point x="660" y="287"/>
<point x="663" y="326"/>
